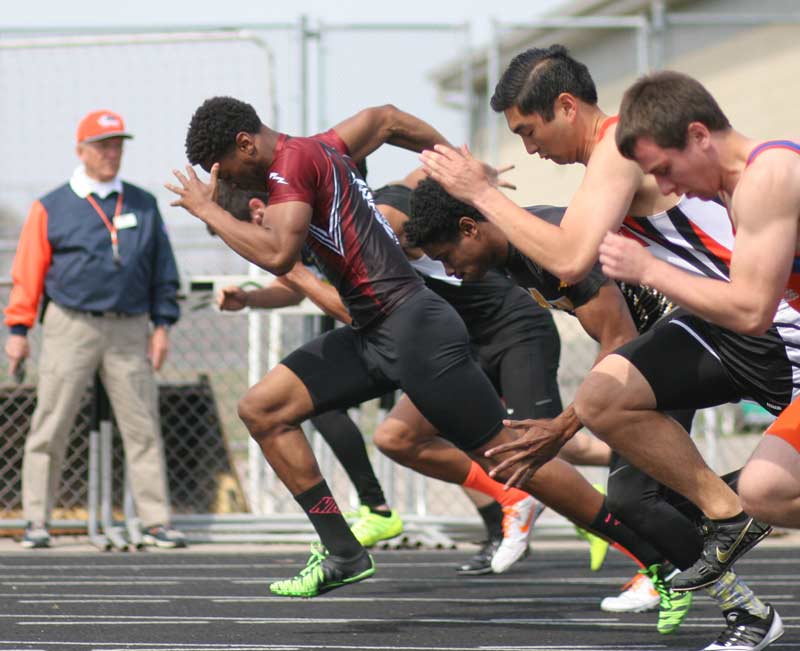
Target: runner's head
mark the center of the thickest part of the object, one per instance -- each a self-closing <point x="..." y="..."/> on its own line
<point x="666" y="122"/>
<point x="228" y="131"/>
<point x="452" y="232"/>
<point x="245" y="205"/>
<point x="542" y="93"/>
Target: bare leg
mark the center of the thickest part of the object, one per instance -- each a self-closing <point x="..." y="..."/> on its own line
<point x="770" y="482"/>
<point x="585" y="449"/>
<point x="272" y="411"/>
<point x="616" y="403"/>
<point x="408" y="438"/>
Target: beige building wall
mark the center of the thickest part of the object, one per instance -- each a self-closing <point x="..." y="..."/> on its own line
<point x="753" y="75"/>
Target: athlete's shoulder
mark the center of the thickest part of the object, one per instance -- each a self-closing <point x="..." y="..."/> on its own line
<point x="332" y="139"/>
<point x="771" y="167"/>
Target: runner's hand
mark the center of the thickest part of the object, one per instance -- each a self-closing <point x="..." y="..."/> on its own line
<point x="193" y="194"/>
<point x="623" y="259"/>
<point x="540" y="440"/>
<point x="461" y="174"/>
<point x="232" y="298"/>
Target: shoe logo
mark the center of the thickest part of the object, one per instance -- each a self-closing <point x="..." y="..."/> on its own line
<point x="524" y="528"/>
<point x="725" y="556"/>
<point x="326" y="506"/>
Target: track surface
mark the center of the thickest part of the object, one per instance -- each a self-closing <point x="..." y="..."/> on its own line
<point x="190" y="601"/>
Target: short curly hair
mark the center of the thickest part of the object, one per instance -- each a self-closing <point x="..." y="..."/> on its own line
<point x="213" y="128"/>
<point x="435" y="214"/>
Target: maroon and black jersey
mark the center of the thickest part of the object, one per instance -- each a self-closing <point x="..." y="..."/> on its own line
<point x="350" y="240"/>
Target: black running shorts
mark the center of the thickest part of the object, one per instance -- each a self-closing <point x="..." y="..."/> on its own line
<point x="691" y="363"/>
<point x="422" y="348"/>
<point x="683" y="371"/>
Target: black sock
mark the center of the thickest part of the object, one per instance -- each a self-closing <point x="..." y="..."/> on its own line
<point x="492" y="515"/>
<point x="325" y="516"/>
<point x="347" y="443"/>
<point x="609" y="527"/>
<point x="384" y="513"/>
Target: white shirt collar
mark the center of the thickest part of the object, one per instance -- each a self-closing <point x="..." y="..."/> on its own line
<point x="83" y="185"/>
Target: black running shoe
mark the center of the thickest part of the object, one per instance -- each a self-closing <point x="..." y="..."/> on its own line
<point x="723" y="545"/>
<point x="481" y="563"/>
<point x="324" y="572"/>
<point x="746" y="632"/>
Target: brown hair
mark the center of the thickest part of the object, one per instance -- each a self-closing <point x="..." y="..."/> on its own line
<point x="661" y="106"/>
<point x="236" y="200"/>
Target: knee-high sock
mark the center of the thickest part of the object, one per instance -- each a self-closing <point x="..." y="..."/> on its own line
<point x="731" y="592"/>
<point x="323" y="512"/>
<point x="479" y="480"/>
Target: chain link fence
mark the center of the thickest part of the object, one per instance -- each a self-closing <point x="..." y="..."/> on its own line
<point x="213" y="467"/>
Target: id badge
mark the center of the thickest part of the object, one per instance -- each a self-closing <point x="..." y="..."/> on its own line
<point x="125" y="220"/>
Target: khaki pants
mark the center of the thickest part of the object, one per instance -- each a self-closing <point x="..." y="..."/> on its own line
<point x="74" y="346"/>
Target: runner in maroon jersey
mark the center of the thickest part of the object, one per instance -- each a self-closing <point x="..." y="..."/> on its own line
<point x="403" y="334"/>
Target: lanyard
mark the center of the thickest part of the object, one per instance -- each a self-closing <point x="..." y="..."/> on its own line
<point x="109" y="224"/>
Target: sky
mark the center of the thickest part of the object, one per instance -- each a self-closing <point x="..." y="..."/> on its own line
<point x="157" y="86"/>
<point x="204" y="12"/>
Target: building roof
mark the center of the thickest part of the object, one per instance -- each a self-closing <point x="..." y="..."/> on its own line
<point x="449" y="75"/>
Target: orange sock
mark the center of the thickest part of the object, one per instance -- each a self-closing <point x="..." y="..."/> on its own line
<point x="479" y="480"/>
<point x="622" y="549"/>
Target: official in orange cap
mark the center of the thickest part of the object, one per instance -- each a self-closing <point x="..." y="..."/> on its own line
<point x="96" y="246"/>
<point x="102" y="124"/>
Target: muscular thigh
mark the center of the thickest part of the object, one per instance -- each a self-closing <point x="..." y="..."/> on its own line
<point x="436" y="369"/>
<point x="335" y="370"/>
<point x="773" y="470"/>
<point x="680" y="371"/>
<point x="405" y="422"/>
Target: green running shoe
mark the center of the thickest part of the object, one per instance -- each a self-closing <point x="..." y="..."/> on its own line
<point x="370" y="528"/>
<point x="673" y="606"/>
<point x="598" y="547"/>
<point x="324" y="572"/>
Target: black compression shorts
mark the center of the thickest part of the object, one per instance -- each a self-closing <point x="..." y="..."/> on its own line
<point x="691" y="363"/>
<point x="422" y="348"/>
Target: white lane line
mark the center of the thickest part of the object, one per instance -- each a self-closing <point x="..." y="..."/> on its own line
<point x="215" y="565"/>
<point x="145" y="646"/>
<point x="142" y="581"/>
<point x="602" y="622"/>
<point x="94" y="601"/>
<point x="769" y="579"/>
<point x="784" y="599"/>
<point x="105" y="622"/>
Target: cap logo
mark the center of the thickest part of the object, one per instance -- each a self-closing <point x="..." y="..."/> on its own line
<point x="107" y="120"/>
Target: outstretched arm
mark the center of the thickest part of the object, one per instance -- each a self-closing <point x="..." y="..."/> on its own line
<point x="569" y="250"/>
<point x="766" y="241"/>
<point x="285" y="291"/>
<point x="607" y="319"/>
<point x="275" y="245"/>
<point x="372" y="127"/>
<point x="322" y="294"/>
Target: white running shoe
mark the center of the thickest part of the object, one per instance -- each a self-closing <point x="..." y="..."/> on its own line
<point x="638" y="596"/>
<point x="518" y="520"/>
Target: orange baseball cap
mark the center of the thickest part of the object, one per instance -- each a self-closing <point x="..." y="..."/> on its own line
<point x="99" y="125"/>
